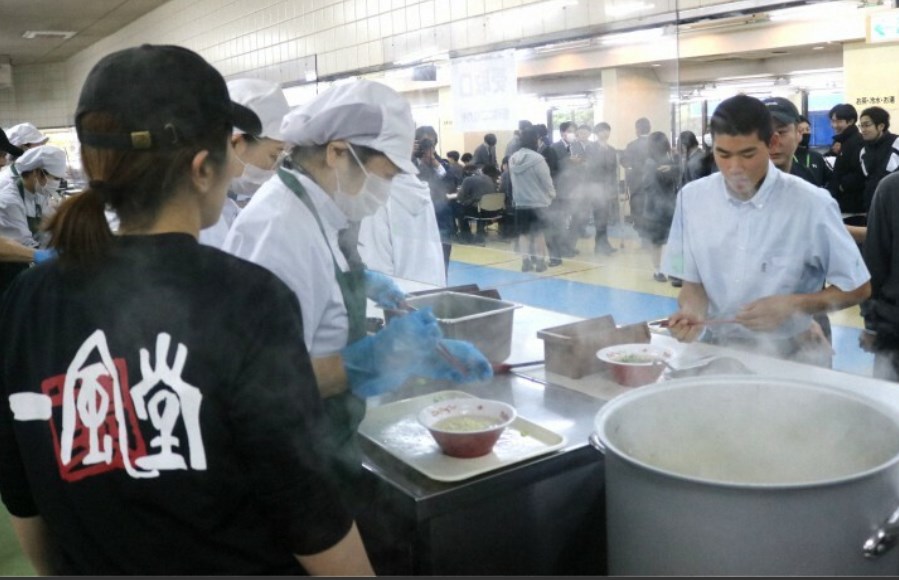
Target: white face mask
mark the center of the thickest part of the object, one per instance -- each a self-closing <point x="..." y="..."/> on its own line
<point x="251" y="179"/>
<point x="373" y="194"/>
<point x="51" y="187"/>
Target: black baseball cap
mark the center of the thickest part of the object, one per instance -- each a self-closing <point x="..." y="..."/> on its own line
<point x="782" y="110"/>
<point x="5" y="145"/>
<point x="164" y="96"/>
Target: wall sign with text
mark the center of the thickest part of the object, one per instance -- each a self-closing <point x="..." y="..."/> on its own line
<point x="875" y="100"/>
<point x="485" y="90"/>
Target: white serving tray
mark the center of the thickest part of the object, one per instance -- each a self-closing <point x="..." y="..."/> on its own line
<point x="395" y="428"/>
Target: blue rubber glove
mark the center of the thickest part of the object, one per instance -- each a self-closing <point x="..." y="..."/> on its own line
<point x="404" y="342"/>
<point x="435" y="365"/>
<point x="383" y="290"/>
<point x="42" y="255"/>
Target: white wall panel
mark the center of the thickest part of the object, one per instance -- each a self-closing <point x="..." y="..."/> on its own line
<point x="263" y="37"/>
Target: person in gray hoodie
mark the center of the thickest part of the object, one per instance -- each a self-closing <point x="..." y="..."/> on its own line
<point x="532" y="192"/>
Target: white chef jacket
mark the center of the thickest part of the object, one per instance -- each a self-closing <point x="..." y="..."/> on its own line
<point x="401" y="239"/>
<point x="276" y="230"/>
<point x="14" y="212"/>
<point x="215" y="234"/>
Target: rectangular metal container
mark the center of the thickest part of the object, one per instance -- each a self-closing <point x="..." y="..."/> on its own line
<point x="570" y="349"/>
<point x="484" y="322"/>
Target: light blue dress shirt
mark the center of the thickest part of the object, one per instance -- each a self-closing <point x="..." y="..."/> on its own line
<point x="788" y="238"/>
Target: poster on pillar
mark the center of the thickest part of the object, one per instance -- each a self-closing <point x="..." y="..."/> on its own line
<point x="484" y="92"/>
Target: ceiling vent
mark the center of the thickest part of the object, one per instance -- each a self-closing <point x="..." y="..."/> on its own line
<point x="49" y="34"/>
<point x="732" y="23"/>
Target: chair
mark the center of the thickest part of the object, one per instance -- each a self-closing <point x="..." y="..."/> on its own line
<point x="490" y="209"/>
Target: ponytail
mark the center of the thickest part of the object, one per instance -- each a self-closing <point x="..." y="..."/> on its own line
<point x="79" y="230"/>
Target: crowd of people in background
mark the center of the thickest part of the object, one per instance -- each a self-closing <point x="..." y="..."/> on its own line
<point x="585" y="192"/>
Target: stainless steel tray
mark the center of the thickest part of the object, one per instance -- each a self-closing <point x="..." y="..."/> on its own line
<point x="395" y="428"/>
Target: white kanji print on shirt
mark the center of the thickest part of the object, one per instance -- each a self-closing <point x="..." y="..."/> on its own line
<point x="165" y="407"/>
<point x="97" y="421"/>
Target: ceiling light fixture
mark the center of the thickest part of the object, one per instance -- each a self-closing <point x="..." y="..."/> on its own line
<point x="560" y="46"/>
<point x="49" y="34"/>
<point x="732" y="22"/>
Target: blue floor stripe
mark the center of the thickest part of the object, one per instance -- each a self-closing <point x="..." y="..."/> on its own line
<point x="850" y="358"/>
<point x="627" y="306"/>
<point x="485" y="276"/>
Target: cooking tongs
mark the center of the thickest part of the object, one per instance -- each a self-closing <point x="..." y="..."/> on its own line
<point x="663" y="322"/>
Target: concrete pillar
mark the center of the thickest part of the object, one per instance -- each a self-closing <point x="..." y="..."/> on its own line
<point x="628" y="94"/>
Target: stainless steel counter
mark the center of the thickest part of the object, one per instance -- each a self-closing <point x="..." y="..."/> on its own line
<point x="561" y="410"/>
<point x="544" y="515"/>
<point x="539" y="516"/>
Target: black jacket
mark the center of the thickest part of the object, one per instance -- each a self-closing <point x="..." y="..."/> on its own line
<point x="881" y="251"/>
<point x="847" y="183"/>
<point x="879" y="159"/>
<point x="633" y="160"/>
<point x="813" y="162"/>
<point x="484" y="155"/>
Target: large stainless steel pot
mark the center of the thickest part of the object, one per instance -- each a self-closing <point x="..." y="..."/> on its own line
<point x="749" y="476"/>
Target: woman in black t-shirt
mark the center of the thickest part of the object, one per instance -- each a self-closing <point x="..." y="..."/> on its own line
<point x="150" y="422"/>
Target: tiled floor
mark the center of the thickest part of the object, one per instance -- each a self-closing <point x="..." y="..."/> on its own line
<point x="621" y="285"/>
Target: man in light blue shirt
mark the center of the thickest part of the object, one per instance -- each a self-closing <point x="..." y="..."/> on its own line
<point x="755" y="246"/>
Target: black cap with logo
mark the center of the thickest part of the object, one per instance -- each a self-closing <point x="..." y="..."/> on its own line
<point x="165" y="97"/>
<point x="782" y="110"/>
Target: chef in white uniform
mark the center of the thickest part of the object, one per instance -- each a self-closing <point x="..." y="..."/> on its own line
<point x="347" y="144"/>
<point x="258" y="155"/>
<point x="26" y="192"/>
<point x="401" y="239"/>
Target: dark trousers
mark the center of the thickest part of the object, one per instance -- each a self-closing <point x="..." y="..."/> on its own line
<point x="558" y="241"/>
<point x="446" y="226"/>
<point x="605" y="212"/>
<point x="463" y="215"/>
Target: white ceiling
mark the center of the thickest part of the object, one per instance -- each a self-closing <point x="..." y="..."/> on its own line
<point x="91" y="20"/>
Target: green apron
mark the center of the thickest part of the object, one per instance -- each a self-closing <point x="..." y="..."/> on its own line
<point x="344" y="411"/>
<point x="34" y="223"/>
<point x="9" y="270"/>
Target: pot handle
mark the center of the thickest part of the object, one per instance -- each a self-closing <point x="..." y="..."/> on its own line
<point x="883" y="540"/>
<point x="596" y="443"/>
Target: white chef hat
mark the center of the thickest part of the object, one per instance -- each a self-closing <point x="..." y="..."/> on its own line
<point x="266" y="99"/>
<point x="47" y="157"/>
<point x="362" y="112"/>
<point x="25" y="134"/>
